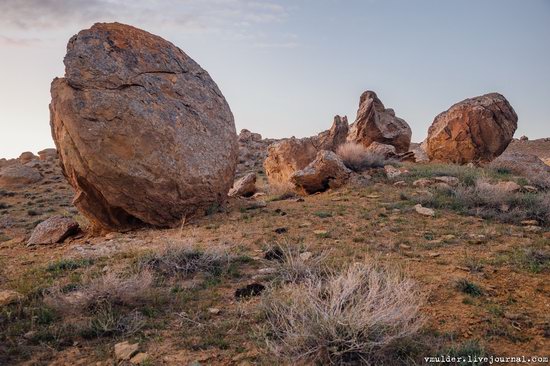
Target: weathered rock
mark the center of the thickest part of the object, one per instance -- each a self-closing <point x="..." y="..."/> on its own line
<point x="474" y="130"/>
<point x="26" y="157"/>
<point x="425" y="211"/>
<point x="125" y="350"/>
<point x="326" y="171"/>
<point x="144" y="135"/>
<point x="335" y="136"/>
<point x="451" y="181"/>
<point x="47" y="154"/>
<point x="524" y="138"/>
<point x="139" y="359"/>
<point x="387" y="151"/>
<point x="16" y="175"/>
<point x="245" y="186"/>
<point x="526" y="165"/>
<point x="507" y="186"/>
<point x="53" y="230"/>
<point x="392" y="172"/>
<point x="246" y="135"/>
<point x="375" y="123"/>
<point x="286" y="157"/>
<point x="423" y="182"/>
<point x="8" y="297"/>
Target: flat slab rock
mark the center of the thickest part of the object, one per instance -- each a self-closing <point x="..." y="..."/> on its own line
<point x="53" y="230"/>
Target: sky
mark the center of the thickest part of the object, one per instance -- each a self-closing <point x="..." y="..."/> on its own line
<point x="287" y="67"/>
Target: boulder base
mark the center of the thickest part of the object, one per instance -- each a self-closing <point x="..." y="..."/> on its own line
<point x="326" y="171"/>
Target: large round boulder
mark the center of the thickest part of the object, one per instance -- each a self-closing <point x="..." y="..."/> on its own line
<point x="475" y="130"/>
<point x="376" y="123"/>
<point x="143" y="133"/>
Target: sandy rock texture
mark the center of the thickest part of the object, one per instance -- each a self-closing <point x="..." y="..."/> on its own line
<point x="474" y="130"/>
<point x="144" y="135"/>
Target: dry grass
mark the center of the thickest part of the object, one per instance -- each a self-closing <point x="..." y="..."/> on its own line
<point x="357" y="158"/>
<point x="109" y="288"/>
<point x="183" y="259"/>
<point x="358" y="316"/>
<point x="294" y="267"/>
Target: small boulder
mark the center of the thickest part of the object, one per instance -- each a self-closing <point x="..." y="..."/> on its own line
<point x="26" y="157"/>
<point x="385" y="150"/>
<point x="286" y="157"/>
<point x="392" y="172"/>
<point x="508" y="186"/>
<point x="326" y="171"/>
<point x="524" y="138"/>
<point x="17" y="175"/>
<point x="245" y="186"/>
<point x="54" y="230"/>
<point x="451" y="181"/>
<point x="124" y="351"/>
<point x="474" y="130"/>
<point x="8" y="297"/>
<point x="375" y="123"/>
<point x="246" y="136"/>
<point x="47" y="154"/>
<point x="139" y="359"/>
<point x="424" y="210"/>
<point x="335" y="136"/>
<point x="525" y="165"/>
<point x="423" y="182"/>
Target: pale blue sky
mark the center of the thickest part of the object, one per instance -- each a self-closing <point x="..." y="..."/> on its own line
<point x="287" y="67"/>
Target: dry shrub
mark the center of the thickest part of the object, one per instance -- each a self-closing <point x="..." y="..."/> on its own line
<point x="183" y="259"/>
<point x="293" y="267"/>
<point x="358" y="316"/>
<point x="109" y="288"/>
<point x="357" y="158"/>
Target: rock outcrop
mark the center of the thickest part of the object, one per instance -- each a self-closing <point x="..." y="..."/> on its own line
<point x="26" y="157"/>
<point x="375" y="123"/>
<point x="326" y="171"/>
<point x="252" y="151"/>
<point x="144" y="135"/>
<point x="475" y="130"/>
<point x="245" y="186"/>
<point x="287" y="156"/>
<point x="53" y="230"/>
<point x="47" y="154"/>
<point x="17" y="175"/>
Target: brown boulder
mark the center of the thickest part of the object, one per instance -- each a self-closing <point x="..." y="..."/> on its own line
<point x="326" y="171"/>
<point x="245" y="136"/>
<point x="386" y="151"/>
<point x="474" y="130"/>
<point x="54" y="230"/>
<point x="47" y="154"/>
<point x="375" y="123"/>
<point x="16" y="175"/>
<point x="144" y="135"/>
<point x="245" y="186"/>
<point x="287" y="156"/>
<point x="26" y="157"/>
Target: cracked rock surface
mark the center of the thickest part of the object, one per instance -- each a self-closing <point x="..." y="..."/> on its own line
<point x="144" y="134"/>
<point x="474" y="130"/>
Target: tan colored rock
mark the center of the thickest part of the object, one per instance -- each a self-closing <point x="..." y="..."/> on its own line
<point x="387" y="151"/>
<point x="392" y="172"/>
<point x="474" y="130"/>
<point x="53" y="230"/>
<point x="144" y="135"/>
<point x="425" y="211"/>
<point x="17" y="175"/>
<point x="47" y="154"/>
<point x="26" y="157"/>
<point x="326" y="171"/>
<point x="286" y="157"/>
<point x="124" y="351"/>
<point x="245" y="186"/>
<point x="423" y="182"/>
<point x="245" y="136"/>
<point x="451" y="181"/>
<point x="8" y="297"/>
<point x="139" y="359"/>
<point x="508" y="186"/>
<point x="375" y="123"/>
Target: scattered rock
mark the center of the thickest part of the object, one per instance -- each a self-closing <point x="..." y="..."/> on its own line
<point x="320" y="232"/>
<point x="254" y="289"/>
<point x="53" y="230"/>
<point x="17" y="175"/>
<point x="305" y="256"/>
<point x="256" y="205"/>
<point x="434" y="255"/>
<point x="400" y="183"/>
<point x="530" y="188"/>
<point x="47" y="154"/>
<point x="246" y="136"/>
<point x="424" y="210"/>
<point x="139" y="358"/>
<point x="404" y="246"/>
<point x="423" y="182"/>
<point x="452" y="181"/>
<point x="508" y="186"/>
<point x="8" y="297"/>
<point x="280" y="230"/>
<point x="524" y="138"/>
<point x="375" y="123"/>
<point x="474" y="130"/>
<point x="26" y="157"/>
<point x="125" y="350"/>
<point x="530" y="222"/>
<point x="392" y="172"/>
<point x="143" y="133"/>
<point x="245" y="186"/>
<point x="326" y="171"/>
<point x="385" y="150"/>
<point x="214" y="311"/>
